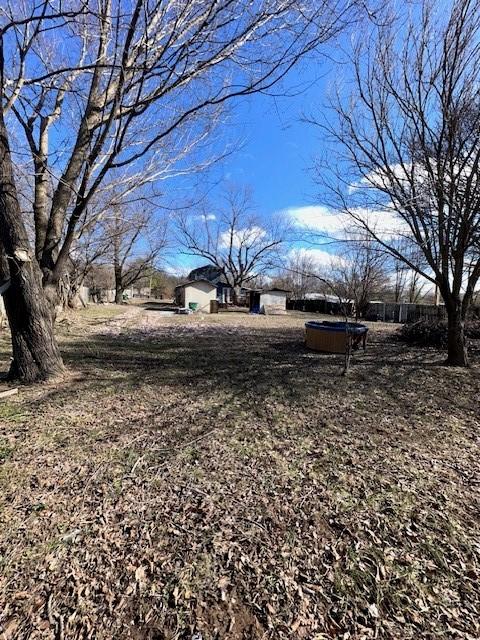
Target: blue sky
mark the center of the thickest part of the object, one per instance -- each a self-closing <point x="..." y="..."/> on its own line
<point x="278" y="149"/>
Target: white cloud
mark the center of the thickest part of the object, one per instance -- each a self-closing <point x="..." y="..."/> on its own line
<point x="320" y="219"/>
<point x="385" y="223"/>
<point x="320" y="257"/>
<point x="382" y="179"/>
<point x="175" y="268"/>
<point x="249" y="236"/>
<point x="206" y="216"/>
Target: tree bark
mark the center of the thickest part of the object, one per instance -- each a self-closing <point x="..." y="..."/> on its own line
<point x="457" y="348"/>
<point x="35" y="352"/>
<point x="119" y="289"/>
<point x="40" y="200"/>
<point x="236" y="292"/>
<point x="74" y="299"/>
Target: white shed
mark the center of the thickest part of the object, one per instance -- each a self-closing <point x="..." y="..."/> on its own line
<point x="196" y="294"/>
<point x="269" y="301"/>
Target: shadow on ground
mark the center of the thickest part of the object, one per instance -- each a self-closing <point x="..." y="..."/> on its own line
<point x="264" y="363"/>
<point x="254" y="365"/>
<point x="159" y="305"/>
<point x="208" y="478"/>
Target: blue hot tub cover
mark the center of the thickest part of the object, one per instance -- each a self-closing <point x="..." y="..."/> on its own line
<point x="354" y="328"/>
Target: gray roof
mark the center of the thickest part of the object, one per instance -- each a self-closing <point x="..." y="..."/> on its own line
<point x="269" y="290"/>
<point x="208" y="272"/>
<point x="185" y="284"/>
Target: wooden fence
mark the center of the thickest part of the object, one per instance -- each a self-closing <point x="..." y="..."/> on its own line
<point x="410" y="312"/>
<point x="398" y="312"/>
<point x="319" y="306"/>
<point x="405" y="312"/>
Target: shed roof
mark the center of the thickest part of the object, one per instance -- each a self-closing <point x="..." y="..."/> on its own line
<point x="269" y="290"/>
<point x="191" y="282"/>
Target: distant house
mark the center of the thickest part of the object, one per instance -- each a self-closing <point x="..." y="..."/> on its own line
<point x="268" y="301"/>
<point x="321" y="303"/>
<point x="140" y="292"/>
<point x="196" y="294"/>
<point x="327" y="297"/>
<point x="215" y="276"/>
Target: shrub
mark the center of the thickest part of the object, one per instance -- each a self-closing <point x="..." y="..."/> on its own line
<point x="433" y="333"/>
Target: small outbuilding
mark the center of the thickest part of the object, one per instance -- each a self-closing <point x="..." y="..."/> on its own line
<point x="197" y="295"/>
<point x="268" y="301"/>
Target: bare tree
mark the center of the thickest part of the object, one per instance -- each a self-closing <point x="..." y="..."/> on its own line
<point x="90" y="248"/>
<point x="409" y="140"/>
<point x="235" y="240"/>
<point x="163" y="284"/>
<point x="400" y="282"/>
<point x="134" y="239"/>
<point x="139" y="85"/>
<point x="416" y="288"/>
<point x="297" y="276"/>
<point x="99" y="279"/>
<point x="360" y="271"/>
<point x="120" y="211"/>
<point x="407" y="285"/>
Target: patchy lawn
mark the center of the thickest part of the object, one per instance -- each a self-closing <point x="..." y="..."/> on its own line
<point x="209" y="478"/>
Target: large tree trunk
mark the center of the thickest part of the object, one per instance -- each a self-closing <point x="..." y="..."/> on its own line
<point x="361" y="306"/>
<point x="236" y="292"/>
<point x="74" y="298"/>
<point x="35" y="352"/>
<point x="117" y="264"/>
<point x="40" y="200"/>
<point x="119" y="289"/>
<point x="457" y="348"/>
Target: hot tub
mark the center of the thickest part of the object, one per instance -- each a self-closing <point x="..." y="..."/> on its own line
<point x="334" y="337"/>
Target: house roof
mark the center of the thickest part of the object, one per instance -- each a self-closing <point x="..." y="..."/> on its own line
<point x="208" y="272"/>
<point x="195" y="281"/>
<point x="327" y="297"/>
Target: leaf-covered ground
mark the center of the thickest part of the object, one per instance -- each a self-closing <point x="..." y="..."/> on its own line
<point x="209" y="478"/>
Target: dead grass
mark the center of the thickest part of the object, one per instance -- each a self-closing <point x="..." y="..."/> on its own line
<point x="209" y="478"/>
